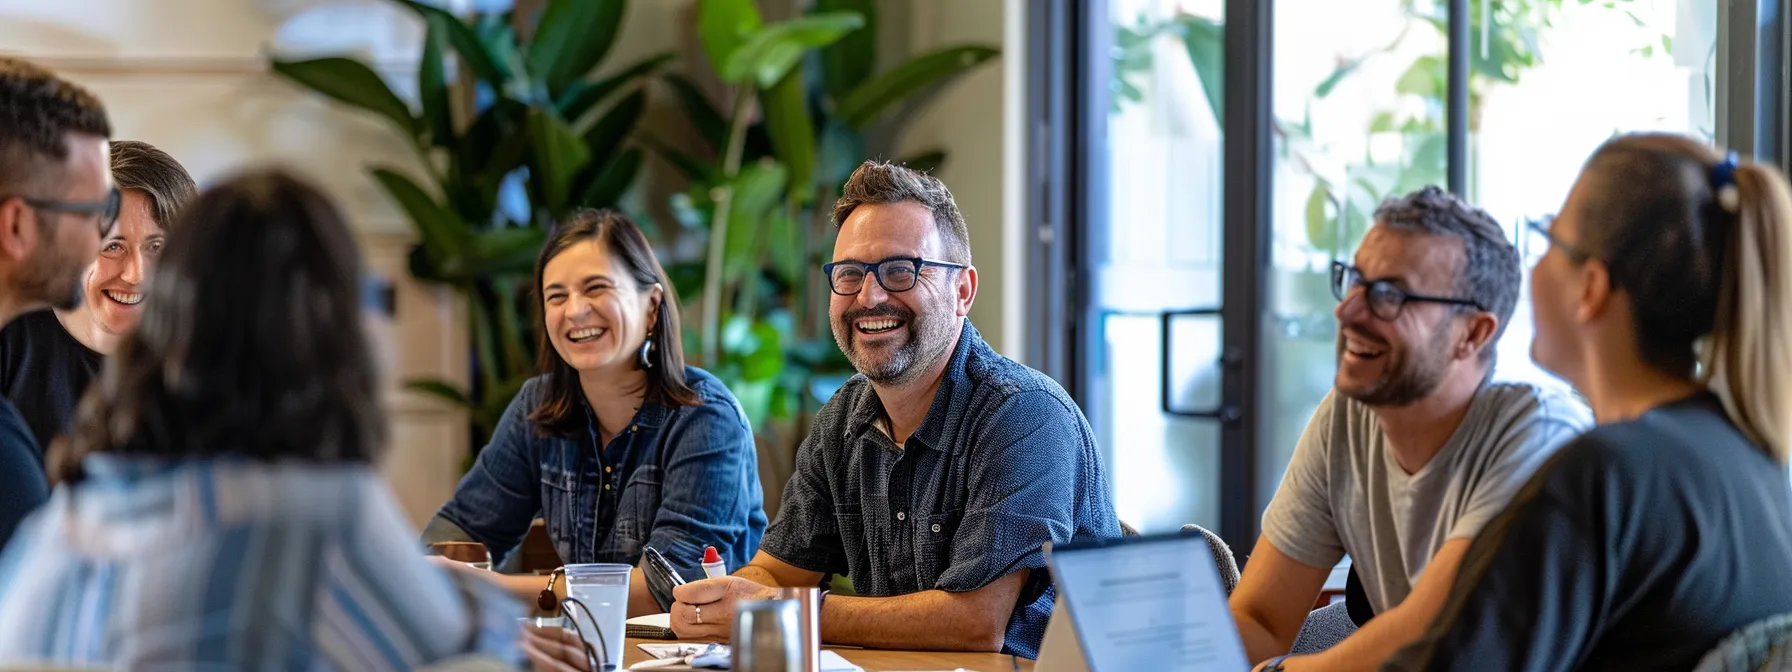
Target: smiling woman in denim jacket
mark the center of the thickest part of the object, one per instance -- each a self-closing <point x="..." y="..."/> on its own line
<point x="617" y="444"/>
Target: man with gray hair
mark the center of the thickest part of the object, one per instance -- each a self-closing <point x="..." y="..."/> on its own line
<point x="1415" y="450"/>
<point x="934" y="476"/>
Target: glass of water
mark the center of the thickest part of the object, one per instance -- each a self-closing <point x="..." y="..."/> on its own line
<point x="602" y="589"/>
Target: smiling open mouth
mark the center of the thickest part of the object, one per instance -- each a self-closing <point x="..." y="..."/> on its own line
<point x="1362" y="350"/>
<point x="126" y="298"/>
<point x="878" y="325"/>
<point x="587" y="334"/>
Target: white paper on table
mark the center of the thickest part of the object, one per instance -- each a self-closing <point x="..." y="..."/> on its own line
<point x="830" y="661"/>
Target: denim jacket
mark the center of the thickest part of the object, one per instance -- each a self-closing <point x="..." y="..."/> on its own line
<point x="677" y="479"/>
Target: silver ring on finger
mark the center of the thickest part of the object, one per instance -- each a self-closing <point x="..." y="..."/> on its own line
<point x="699" y="615"/>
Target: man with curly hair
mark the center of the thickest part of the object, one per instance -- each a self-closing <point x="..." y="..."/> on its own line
<point x="57" y="201"/>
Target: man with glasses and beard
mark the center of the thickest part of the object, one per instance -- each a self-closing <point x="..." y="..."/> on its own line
<point x="56" y="202"/>
<point x="1415" y="450"/>
<point x="933" y="477"/>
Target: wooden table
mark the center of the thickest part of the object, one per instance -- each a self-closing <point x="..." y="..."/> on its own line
<point x="890" y="661"/>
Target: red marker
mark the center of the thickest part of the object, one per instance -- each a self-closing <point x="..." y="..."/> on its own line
<point x="712" y="564"/>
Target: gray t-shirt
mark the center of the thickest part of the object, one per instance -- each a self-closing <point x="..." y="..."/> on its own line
<point x="1343" y="493"/>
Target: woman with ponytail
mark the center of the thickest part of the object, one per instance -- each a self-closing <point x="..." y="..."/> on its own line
<point x="1666" y="300"/>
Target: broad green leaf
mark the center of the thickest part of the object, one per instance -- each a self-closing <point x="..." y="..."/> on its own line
<point x="432" y="87"/>
<point x="770" y="53"/>
<point x="508" y="250"/>
<point x="582" y="96"/>
<point x="756" y="189"/>
<point x="1422" y="78"/>
<point x="755" y="399"/>
<point x="351" y="82"/>
<point x="1205" y="41"/>
<point x="442" y="233"/>
<point x="1382" y="122"/>
<point x="687" y="277"/>
<point x="558" y="157"/>
<point x="571" y="39"/>
<point x="441" y="390"/>
<point x="792" y="132"/>
<point x="607" y="186"/>
<point x="607" y="134"/>
<point x="786" y="249"/>
<point x="926" y="162"/>
<point x="465" y="42"/>
<point x="1320" y="232"/>
<point x="737" y="335"/>
<point x="723" y="25"/>
<point x="766" y="361"/>
<point x="846" y="63"/>
<point x="704" y="117"/>
<point x="865" y="103"/>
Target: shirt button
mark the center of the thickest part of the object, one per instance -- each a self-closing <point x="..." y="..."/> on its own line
<point x="936" y="528"/>
<point x="606" y="486"/>
<point x="634" y="428"/>
<point x="901" y="515"/>
<point x="606" y="470"/>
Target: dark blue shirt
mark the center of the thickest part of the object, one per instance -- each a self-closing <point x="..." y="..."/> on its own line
<point x="22" y="484"/>
<point x="1003" y="462"/>
<point x="677" y="479"/>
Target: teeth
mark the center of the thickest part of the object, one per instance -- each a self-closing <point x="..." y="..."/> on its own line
<point x="878" y="325"/>
<point x="585" y="334"/>
<point x="1356" y="347"/>
<point x="126" y="298"/>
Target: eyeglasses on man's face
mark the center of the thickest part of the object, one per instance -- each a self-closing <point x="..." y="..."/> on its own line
<point x="1386" y="299"/>
<point x="896" y="274"/>
<point x="105" y="211"/>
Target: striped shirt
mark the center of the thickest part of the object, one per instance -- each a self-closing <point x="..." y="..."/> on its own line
<point x="229" y="564"/>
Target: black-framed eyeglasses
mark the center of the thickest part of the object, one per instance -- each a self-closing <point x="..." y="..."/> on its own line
<point x="896" y="274"/>
<point x="1385" y="299"/>
<point x="106" y="210"/>
<point x="1542" y="225"/>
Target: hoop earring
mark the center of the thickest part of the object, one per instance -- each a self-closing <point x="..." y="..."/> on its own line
<point x="645" y="357"/>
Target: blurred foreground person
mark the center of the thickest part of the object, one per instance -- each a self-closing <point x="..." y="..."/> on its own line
<point x="56" y="203"/>
<point x="219" y="506"/>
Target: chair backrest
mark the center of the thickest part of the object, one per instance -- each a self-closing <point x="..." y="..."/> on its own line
<point x="1763" y="645"/>
<point x="1323" y="629"/>
<point x="1222" y="556"/>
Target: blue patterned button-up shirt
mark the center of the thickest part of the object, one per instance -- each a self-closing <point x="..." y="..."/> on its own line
<point x="228" y="565"/>
<point x="1003" y="462"/>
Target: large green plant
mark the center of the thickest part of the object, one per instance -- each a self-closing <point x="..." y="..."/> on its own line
<point x="535" y="137"/>
<point x="805" y="104"/>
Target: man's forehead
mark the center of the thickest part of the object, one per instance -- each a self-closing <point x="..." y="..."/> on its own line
<point x="887" y="228"/>
<point x="1420" y="259"/>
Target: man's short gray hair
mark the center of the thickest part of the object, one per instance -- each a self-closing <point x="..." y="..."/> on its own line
<point x="877" y="182"/>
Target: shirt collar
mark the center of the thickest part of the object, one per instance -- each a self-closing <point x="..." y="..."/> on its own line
<point x="954" y="385"/>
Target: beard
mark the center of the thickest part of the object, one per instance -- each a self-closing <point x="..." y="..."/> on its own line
<point x="1411" y="374"/>
<point x="54" y="280"/>
<point x="927" y="339"/>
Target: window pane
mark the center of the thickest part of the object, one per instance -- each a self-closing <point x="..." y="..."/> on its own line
<point x="1359" y="89"/>
<point x="1599" y="69"/>
<point x="1158" y="250"/>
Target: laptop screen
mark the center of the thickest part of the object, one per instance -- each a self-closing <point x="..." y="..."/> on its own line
<point x="1151" y="602"/>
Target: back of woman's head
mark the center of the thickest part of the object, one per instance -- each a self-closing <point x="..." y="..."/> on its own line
<point x="1702" y="244"/>
<point x="251" y="343"/>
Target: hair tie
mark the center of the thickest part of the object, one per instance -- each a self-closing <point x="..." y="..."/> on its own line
<point x="1723" y="182"/>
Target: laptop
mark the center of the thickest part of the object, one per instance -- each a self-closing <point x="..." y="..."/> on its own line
<point x="1139" y="603"/>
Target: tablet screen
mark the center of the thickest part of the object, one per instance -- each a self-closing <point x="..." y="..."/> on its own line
<point x="1150" y="603"/>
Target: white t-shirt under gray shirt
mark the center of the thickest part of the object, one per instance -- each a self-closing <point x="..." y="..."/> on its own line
<point x="1343" y="492"/>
